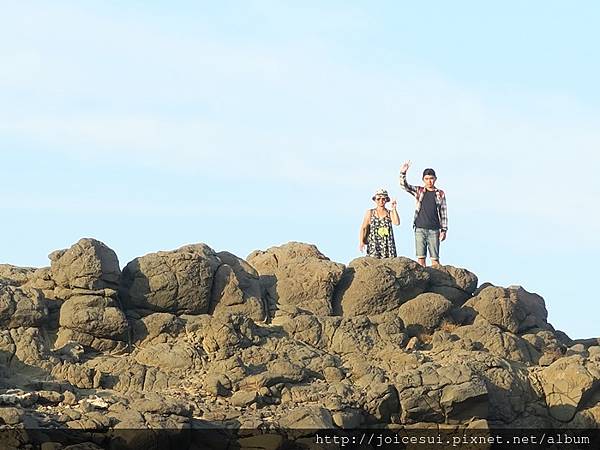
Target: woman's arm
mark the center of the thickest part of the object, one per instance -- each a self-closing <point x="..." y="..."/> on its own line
<point x="362" y="237"/>
<point x="394" y="213"/>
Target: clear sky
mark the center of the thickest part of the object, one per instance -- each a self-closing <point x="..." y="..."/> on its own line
<point x="248" y="124"/>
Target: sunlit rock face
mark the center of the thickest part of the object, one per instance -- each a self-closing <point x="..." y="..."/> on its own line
<point x="284" y="338"/>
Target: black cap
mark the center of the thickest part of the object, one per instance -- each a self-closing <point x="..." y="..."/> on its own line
<point x="428" y="172"/>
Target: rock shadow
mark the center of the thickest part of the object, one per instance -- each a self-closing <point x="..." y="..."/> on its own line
<point x="340" y="289"/>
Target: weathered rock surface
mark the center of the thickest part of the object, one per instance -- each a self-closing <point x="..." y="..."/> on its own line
<point x="15" y="276"/>
<point x="454" y="283"/>
<point x="567" y="384"/>
<point x="424" y="312"/>
<point x="374" y="286"/>
<point x="237" y="289"/>
<point x="299" y="275"/>
<point x="93" y="315"/>
<point x="89" y="264"/>
<point x="21" y="307"/>
<point x="510" y="309"/>
<point x="190" y="339"/>
<point x="178" y="281"/>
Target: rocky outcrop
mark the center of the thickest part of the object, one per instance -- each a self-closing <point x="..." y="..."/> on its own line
<point x="298" y="275"/>
<point x="514" y="310"/>
<point x="287" y="339"/>
<point x="568" y="383"/>
<point x="86" y="278"/>
<point x="374" y="286"/>
<point x="454" y="283"/>
<point x="15" y="276"/>
<point x="21" y="307"/>
<point x="88" y="264"/>
<point x="93" y="321"/>
<point x="178" y="281"/>
<point x="237" y="289"/>
<point x="424" y="312"/>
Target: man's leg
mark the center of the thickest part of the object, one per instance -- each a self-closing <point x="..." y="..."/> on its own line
<point x="420" y="245"/>
<point x="433" y="242"/>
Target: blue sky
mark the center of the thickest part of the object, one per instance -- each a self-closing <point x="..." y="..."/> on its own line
<point x="250" y="124"/>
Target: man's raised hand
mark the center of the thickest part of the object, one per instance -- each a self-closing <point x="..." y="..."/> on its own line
<point x="405" y="166"/>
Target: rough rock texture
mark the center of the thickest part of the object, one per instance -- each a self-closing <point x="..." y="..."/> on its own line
<point x="424" y="312"/>
<point x="178" y="281"/>
<point x="374" y="286"/>
<point x="89" y="264"/>
<point x="21" y="307"/>
<point x="93" y="315"/>
<point x="80" y="293"/>
<point x="514" y="310"/>
<point x="13" y="275"/>
<point x="237" y="289"/>
<point x="299" y="275"/>
<point x="567" y="384"/>
<point x="382" y="343"/>
<point x="93" y="321"/>
<point x="454" y="283"/>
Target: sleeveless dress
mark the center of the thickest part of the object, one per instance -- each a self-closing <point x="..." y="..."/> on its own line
<point x="380" y="241"/>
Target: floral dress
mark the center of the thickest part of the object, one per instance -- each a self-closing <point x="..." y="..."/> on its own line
<point x="380" y="240"/>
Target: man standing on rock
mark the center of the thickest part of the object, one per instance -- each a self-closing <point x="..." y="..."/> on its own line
<point x="431" y="215"/>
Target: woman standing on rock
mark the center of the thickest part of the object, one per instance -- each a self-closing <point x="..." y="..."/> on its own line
<point x="376" y="229"/>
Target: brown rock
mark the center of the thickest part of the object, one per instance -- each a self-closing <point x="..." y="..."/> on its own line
<point x="424" y="312"/>
<point x="454" y="283"/>
<point x="177" y="282"/>
<point x="15" y="276"/>
<point x="297" y="274"/>
<point x="307" y="418"/>
<point x="566" y="383"/>
<point x="88" y="264"/>
<point x="373" y="286"/>
<point x="21" y="307"/>
<point x="513" y="310"/>
<point x="97" y="316"/>
<point x="237" y="289"/>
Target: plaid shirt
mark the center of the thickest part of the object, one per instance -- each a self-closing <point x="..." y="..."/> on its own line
<point x="419" y="193"/>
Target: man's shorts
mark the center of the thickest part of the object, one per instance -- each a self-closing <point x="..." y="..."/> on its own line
<point x="427" y="239"/>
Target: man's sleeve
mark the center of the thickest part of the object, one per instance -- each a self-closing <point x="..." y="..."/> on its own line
<point x="443" y="213"/>
<point x="407" y="187"/>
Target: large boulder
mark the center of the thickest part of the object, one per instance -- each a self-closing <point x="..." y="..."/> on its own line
<point x="178" y="281"/>
<point x="454" y="283"/>
<point x="225" y="335"/>
<point x="548" y="344"/>
<point x="15" y="276"/>
<point x="424" y="312"/>
<point x="307" y="418"/>
<point x="511" y="392"/>
<point x="88" y="264"/>
<point x="98" y="316"/>
<point x="26" y="349"/>
<point x="567" y="384"/>
<point x="438" y="393"/>
<point x="157" y="325"/>
<point x="492" y="339"/>
<point x="237" y="289"/>
<point x="351" y="335"/>
<point x="299" y="275"/>
<point x="373" y="286"/>
<point x="21" y="307"/>
<point x="93" y="321"/>
<point x="514" y="310"/>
